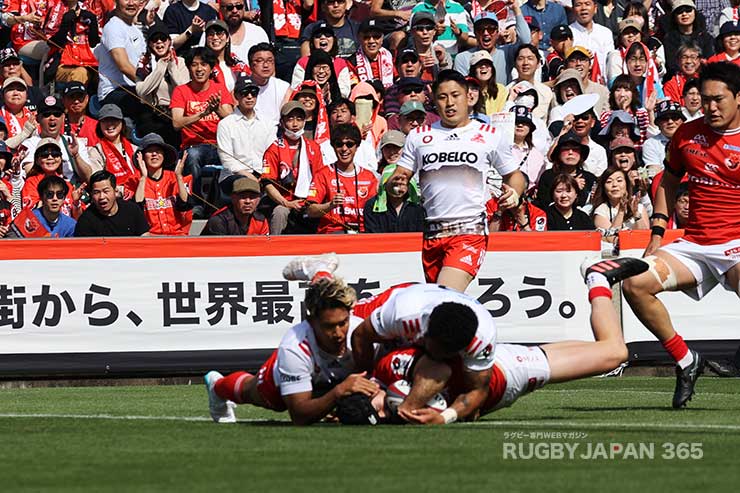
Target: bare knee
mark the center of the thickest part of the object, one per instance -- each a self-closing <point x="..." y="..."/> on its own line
<point x="616" y="354"/>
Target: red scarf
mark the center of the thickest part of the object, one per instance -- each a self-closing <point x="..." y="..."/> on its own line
<point x="385" y="65"/>
<point x="651" y="75"/>
<point x="15" y="124"/>
<point x="116" y="163"/>
<point x="321" y="134"/>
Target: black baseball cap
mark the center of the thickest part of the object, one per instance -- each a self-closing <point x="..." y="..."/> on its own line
<point x="244" y="83"/>
<point x="322" y="27"/>
<point x="74" y="88"/>
<point x="561" y="32"/>
<point x="369" y="25"/>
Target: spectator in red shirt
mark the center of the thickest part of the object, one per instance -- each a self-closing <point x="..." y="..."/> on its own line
<point x="163" y="194"/>
<point x="197" y="107"/>
<point x="77" y="122"/>
<point x="241" y="216"/>
<point x="339" y="192"/>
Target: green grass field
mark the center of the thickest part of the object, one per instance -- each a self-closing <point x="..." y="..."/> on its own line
<point x="160" y="438"/>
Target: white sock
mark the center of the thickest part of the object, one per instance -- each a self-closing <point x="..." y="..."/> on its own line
<point x="686" y="360"/>
<point x="597" y="279"/>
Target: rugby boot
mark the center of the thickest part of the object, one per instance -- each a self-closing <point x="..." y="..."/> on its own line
<point x="686" y="380"/>
<point x="615" y="270"/>
<point x="305" y="268"/>
<point x="222" y="411"/>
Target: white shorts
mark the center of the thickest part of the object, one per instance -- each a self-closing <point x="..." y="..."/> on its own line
<point x="708" y="264"/>
<point x="526" y="369"/>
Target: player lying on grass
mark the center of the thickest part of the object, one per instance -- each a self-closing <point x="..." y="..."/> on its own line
<point x="507" y="374"/>
<point x="311" y="369"/>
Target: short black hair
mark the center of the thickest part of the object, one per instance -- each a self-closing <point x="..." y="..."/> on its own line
<point x="207" y="55"/>
<point x="529" y="47"/>
<point x="726" y="72"/>
<point x="51" y="181"/>
<point x="103" y="175"/>
<point x="342" y="102"/>
<point x="345" y="131"/>
<point x="452" y="325"/>
<point x="693" y="83"/>
<point x="448" y="75"/>
<point x="259" y="47"/>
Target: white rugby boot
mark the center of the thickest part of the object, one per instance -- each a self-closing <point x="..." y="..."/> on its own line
<point x="305" y="268"/>
<point x="222" y="411"/>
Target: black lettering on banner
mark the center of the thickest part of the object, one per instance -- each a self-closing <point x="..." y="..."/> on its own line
<point x="491" y="295"/>
<point x="45" y="299"/>
<point x="363" y="284"/>
<point x="273" y="302"/>
<point x="536" y="293"/>
<point x="184" y="303"/>
<point x="225" y="293"/>
<point x="12" y="301"/>
<point x="90" y="307"/>
<point x="303" y="285"/>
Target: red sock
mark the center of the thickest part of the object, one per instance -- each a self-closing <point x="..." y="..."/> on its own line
<point x="322" y="274"/>
<point x="597" y="291"/>
<point x="231" y="386"/>
<point x="676" y="347"/>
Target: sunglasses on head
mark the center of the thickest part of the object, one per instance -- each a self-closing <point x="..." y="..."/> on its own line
<point x="349" y="144"/>
<point x="412" y="89"/>
<point x="50" y="194"/>
<point x="50" y="153"/>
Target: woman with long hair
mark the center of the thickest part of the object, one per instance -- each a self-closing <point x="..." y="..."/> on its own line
<point x="114" y="151"/>
<point x="228" y="66"/>
<point x="531" y="161"/>
<point x="641" y="68"/>
<point x="324" y="39"/>
<point x="317" y="120"/>
<point x="492" y="94"/>
<point x="320" y="69"/>
<point x="616" y="207"/>
<point x="624" y="96"/>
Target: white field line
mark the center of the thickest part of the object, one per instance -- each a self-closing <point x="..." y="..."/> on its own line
<point x="553" y="425"/>
<point x="632" y="392"/>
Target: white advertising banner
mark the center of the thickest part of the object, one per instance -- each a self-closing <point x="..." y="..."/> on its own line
<point x="212" y="294"/>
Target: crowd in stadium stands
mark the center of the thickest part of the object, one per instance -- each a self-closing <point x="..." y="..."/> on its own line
<point x="129" y="117"/>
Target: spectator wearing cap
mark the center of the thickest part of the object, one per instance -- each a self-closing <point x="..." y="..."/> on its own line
<point x="535" y="34"/>
<point x="432" y="56"/>
<point x="390" y="148"/>
<point x="76" y="120"/>
<point x="243" y="34"/>
<point x="620" y="124"/>
<point x="524" y="217"/>
<point x="371" y="61"/>
<point x="668" y="117"/>
<point x="493" y="95"/>
<point x="243" y="136"/>
<point x="486" y="29"/>
<point x="531" y="161"/>
<point x="625" y="97"/>
<point x="320" y="70"/>
<point x="162" y="194"/>
<point x="340" y="191"/>
<point x="47" y="161"/>
<point x="378" y="125"/>
<point x="317" y="120"/>
<point x="108" y="214"/>
<point x="114" y="151"/>
<point x="581" y="59"/>
<point x="274" y="92"/>
<point x="397" y="206"/>
<point x="346" y="31"/>
<point x="341" y="113"/>
<point x="689" y="64"/>
<point x="412" y="115"/>
<point x="408" y="66"/>
<point x="525" y="94"/>
<point x="568" y="156"/>
<point x="11" y="65"/>
<point x="728" y="44"/>
<point x="586" y="32"/>
<point x="289" y="165"/>
<point x="186" y="21"/>
<point x="76" y="163"/>
<point x="580" y="119"/>
<point x="324" y="39"/>
<point x="692" y="107"/>
<point x="561" y="38"/>
<point x="566" y="86"/>
<point x="118" y="53"/>
<point x="407" y="89"/>
<point x="159" y="71"/>
<point x="78" y="31"/>
<point x="630" y="31"/>
<point x="527" y="61"/>
<point x="47" y="220"/>
<point x="19" y="120"/>
<point x="685" y="25"/>
<point x="396" y="15"/>
<point x="228" y="67"/>
<point x="11" y="184"/>
<point x="452" y="27"/>
<point x="197" y="107"/>
<point x="548" y="14"/>
<point x="241" y="216"/>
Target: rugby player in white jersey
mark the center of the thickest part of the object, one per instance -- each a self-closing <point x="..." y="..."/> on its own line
<point x="453" y="157"/>
<point x="311" y="370"/>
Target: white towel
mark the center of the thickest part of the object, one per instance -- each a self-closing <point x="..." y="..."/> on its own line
<point x="304" y="173"/>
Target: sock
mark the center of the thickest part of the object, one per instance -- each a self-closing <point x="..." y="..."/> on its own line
<point x="322" y="274"/>
<point x="598" y="285"/>
<point x="679" y="351"/>
<point x="230" y="387"/>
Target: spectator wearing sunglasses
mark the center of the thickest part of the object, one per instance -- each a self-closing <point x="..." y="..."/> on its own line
<point x="324" y="39"/>
<point x="76" y="163"/>
<point x="53" y="191"/>
<point x="412" y="110"/>
<point x="243" y="34"/>
<point x="372" y="61"/>
<point x="407" y="88"/>
<point x="345" y="30"/>
<point x="453" y="29"/>
<point x="47" y="161"/>
<point x="433" y="57"/>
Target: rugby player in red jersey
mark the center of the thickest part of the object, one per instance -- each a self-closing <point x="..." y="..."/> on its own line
<point x="453" y="158"/>
<point x="708" y="151"/>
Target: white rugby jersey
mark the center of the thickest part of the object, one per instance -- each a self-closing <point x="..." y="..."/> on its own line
<point x="405" y="317"/>
<point x="303" y="367"/>
<point x="453" y="164"/>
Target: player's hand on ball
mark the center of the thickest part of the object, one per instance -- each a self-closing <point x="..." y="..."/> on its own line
<point x="357" y="382"/>
<point x="424" y="416"/>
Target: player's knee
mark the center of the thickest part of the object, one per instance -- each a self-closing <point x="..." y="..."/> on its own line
<point x="659" y="277"/>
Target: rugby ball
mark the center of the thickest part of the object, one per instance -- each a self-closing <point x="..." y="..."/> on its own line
<point x="397" y="392"/>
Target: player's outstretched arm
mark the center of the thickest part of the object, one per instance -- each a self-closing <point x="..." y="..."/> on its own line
<point x="305" y="410"/>
<point x="363" y="338"/>
<point x="663" y="205"/>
